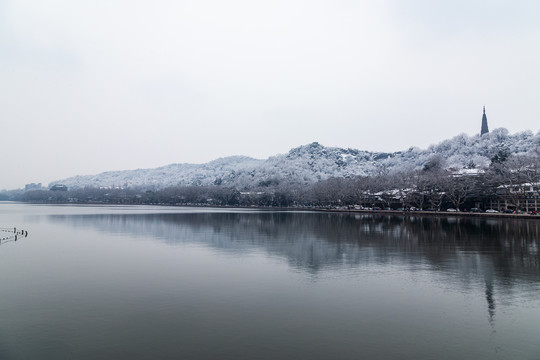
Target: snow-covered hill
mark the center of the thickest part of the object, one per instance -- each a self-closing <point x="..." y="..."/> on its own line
<point x="314" y="162"/>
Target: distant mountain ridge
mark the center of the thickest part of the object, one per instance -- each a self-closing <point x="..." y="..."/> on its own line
<point x="314" y="162"/>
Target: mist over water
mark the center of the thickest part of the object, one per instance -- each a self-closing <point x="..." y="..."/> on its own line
<point x="141" y="282"/>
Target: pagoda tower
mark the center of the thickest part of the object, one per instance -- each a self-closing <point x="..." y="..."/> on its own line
<point x="485" y="129"/>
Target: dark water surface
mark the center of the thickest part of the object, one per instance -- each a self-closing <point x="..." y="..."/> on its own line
<point x="178" y="283"/>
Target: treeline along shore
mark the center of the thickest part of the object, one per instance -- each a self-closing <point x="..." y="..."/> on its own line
<point x="509" y="186"/>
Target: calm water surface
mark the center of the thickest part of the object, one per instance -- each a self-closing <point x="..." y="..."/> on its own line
<point x="178" y="283"/>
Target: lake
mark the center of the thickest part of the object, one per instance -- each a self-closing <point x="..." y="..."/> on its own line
<point x="140" y="282"/>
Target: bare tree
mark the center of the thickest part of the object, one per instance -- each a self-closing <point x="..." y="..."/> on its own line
<point x="457" y="189"/>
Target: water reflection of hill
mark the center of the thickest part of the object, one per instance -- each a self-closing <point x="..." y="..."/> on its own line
<point x="496" y="254"/>
<point x="313" y="241"/>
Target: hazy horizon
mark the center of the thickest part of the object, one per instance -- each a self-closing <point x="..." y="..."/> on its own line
<point x="91" y="87"/>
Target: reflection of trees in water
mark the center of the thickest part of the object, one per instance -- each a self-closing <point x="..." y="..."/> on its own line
<point x="315" y="240"/>
<point x="477" y="250"/>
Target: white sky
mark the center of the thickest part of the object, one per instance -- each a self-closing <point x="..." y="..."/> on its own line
<point x="92" y="86"/>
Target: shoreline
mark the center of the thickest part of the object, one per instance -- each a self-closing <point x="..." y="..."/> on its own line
<point x="436" y="213"/>
<point x="351" y="211"/>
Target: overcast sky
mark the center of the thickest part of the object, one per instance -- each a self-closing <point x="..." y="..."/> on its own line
<point x="92" y="86"/>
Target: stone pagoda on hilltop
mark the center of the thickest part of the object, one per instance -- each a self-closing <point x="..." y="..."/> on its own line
<point x="485" y="129"/>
